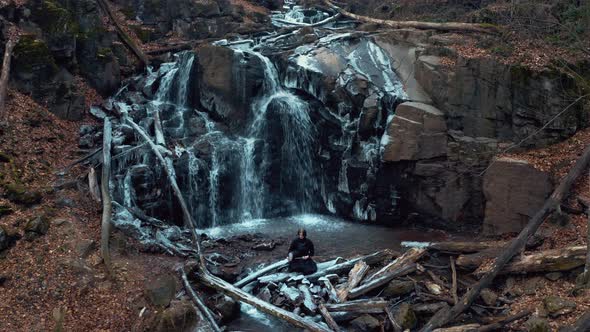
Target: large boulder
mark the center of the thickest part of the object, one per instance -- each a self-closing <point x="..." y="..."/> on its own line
<point x="514" y="192"/>
<point x="416" y="131"/>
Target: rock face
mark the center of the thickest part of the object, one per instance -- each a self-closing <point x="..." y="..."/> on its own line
<point x="417" y="131"/>
<point x="514" y="192"/>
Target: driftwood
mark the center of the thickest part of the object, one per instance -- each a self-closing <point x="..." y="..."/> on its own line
<point x="127" y="40"/>
<point x="355" y="276"/>
<point x="515" y="246"/>
<point x="83" y="159"/>
<point x="460" y="328"/>
<point x="454" y="281"/>
<point x="370" y="306"/>
<point x="107" y="206"/>
<point x="450" y="26"/>
<point x="252" y="277"/>
<point x="328" y="318"/>
<point x="395" y="325"/>
<point x="93" y="185"/>
<point x="6" y="72"/>
<point x="459" y="247"/>
<point x="240" y="295"/>
<point x="341" y="268"/>
<point x="503" y="322"/>
<point x="365" y="288"/>
<point x="331" y="290"/>
<point x="198" y="302"/>
<point x="409" y="256"/>
<point x="553" y="260"/>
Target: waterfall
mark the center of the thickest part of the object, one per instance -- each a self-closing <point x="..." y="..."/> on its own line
<point x="294" y="158"/>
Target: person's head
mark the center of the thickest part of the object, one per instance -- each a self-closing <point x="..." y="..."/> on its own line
<point x="301" y="233"/>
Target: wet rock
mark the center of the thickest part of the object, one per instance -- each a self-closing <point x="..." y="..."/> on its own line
<point x="488" y="297"/>
<point x="36" y="227"/>
<point x="417" y="131"/>
<point x="227" y="307"/>
<point x="65" y="202"/>
<point x="18" y="194"/>
<point x="405" y="316"/>
<point x="365" y="323"/>
<point x="536" y="324"/>
<point x="161" y="290"/>
<point x="291" y="293"/>
<point x="514" y="192"/>
<point x="557" y="306"/>
<point x="309" y="306"/>
<point x="180" y="316"/>
<point x="531" y="286"/>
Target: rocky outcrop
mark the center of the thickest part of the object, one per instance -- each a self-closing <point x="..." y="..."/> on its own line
<point x="514" y="192"/>
<point x="416" y="132"/>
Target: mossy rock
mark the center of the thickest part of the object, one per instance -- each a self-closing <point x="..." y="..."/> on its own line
<point x="31" y="52"/>
<point x="536" y="324"/>
<point x="36" y="227"/>
<point x="180" y="316"/>
<point x="557" y="306"/>
<point x="17" y="193"/>
<point x="406" y="316"/>
<point x="54" y="18"/>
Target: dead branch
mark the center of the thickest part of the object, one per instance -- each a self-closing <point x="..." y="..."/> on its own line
<point x="107" y="206"/>
<point x="198" y="302"/>
<point x="6" y="72"/>
<point x="375" y="283"/>
<point x="450" y="26"/>
<point x="454" y="282"/>
<point x="459" y="247"/>
<point x="503" y="322"/>
<point x="516" y="245"/>
<point x="278" y="265"/>
<point x="127" y="40"/>
<point x="355" y="276"/>
<point x="411" y="255"/>
<point x="369" y="306"/>
<point x="328" y="318"/>
<point x="371" y="259"/>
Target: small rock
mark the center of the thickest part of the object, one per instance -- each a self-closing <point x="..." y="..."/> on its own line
<point x="180" y="316"/>
<point x="36" y="227"/>
<point x="405" y="316"/>
<point x="65" y="202"/>
<point x="536" y="324"/>
<point x="265" y="295"/>
<point x="161" y="290"/>
<point x="308" y="305"/>
<point x="554" y="276"/>
<point x="398" y="288"/>
<point x="365" y="323"/>
<point x="489" y="297"/>
<point x="291" y="293"/>
<point x="17" y="193"/>
<point x="557" y="306"/>
<point x="433" y="288"/>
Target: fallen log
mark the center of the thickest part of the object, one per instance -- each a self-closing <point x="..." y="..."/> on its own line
<point x="553" y="260"/>
<point x="515" y="246"/>
<point x="328" y="318"/>
<point x="283" y="276"/>
<point x="365" y="288"/>
<point x="409" y="256"/>
<point x="503" y="322"/>
<point x="238" y="294"/>
<point x="198" y="302"/>
<point x="459" y="247"/>
<point x="355" y="276"/>
<point x="450" y="26"/>
<point x="460" y="328"/>
<point x="278" y="265"/>
<point x="107" y="206"/>
<point x="4" y="77"/>
<point x="370" y="306"/>
<point x="331" y="290"/>
<point x="93" y="185"/>
<point x="341" y="268"/>
<point x="127" y="40"/>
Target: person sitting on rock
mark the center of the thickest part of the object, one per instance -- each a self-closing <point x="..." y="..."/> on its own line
<point x="300" y="255"/>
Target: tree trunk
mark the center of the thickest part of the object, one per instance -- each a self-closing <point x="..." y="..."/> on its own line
<point x="459" y="247"/>
<point x="370" y="306"/>
<point x="328" y="318"/>
<point x="554" y="260"/>
<point x="240" y="295"/>
<point x="375" y="283"/>
<point x="516" y="245"/>
<point x="4" y="77"/>
<point x="341" y="268"/>
<point x="503" y="322"/>
<point x="278" y="265"/>
<point x="127" y="40"/>
<point x="355" y="276"/>
<point x="409" y="256"/>
<point x="107" y="206"/>
<point x="450" y="26"/>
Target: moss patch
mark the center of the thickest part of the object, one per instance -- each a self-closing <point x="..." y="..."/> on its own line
<point x="53" y="18"/>
<point x="30" y="52"/>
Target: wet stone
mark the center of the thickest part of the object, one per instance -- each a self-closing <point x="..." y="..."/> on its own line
<point x="489" y="297"/>
<point x="531" y="286"/>
<point x="365" y="323"/>
<point x="554" y="276"/>
<point x="536" y="324"/>
<point x="557" y="306"/>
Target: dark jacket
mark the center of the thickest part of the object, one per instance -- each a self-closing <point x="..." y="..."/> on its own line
<point x="301" y="247"/>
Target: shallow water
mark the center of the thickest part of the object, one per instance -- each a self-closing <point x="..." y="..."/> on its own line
<point x="332" y="236"/>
